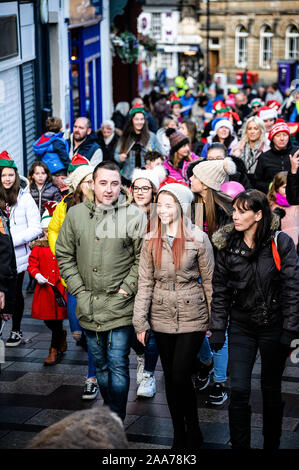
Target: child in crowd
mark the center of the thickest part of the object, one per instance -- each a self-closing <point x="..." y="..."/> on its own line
<point x="52" y="148"/>
<point x="43" y="267"/>
<point x="279" y="204"/>
<point x="41" y="186"/>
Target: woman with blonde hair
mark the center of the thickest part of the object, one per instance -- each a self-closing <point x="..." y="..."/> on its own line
<point x="252" y="144"/>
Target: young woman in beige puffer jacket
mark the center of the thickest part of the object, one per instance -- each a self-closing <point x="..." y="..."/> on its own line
<point x="174" y="304"/>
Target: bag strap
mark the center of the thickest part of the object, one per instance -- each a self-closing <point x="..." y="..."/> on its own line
<point x="275" y="252"/>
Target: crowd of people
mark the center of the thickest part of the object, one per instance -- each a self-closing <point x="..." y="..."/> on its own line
<point x="172" y="230"/>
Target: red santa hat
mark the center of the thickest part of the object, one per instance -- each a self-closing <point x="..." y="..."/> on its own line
<point x="267" y="113"/>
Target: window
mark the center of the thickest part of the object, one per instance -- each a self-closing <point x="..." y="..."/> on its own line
<point x="266" y="47"/>
<point x="165" y="60"/>
<point x="292" y="42"/>
<point x="241" y="47"/>
<point x="8" y="37"/>
<point x="156" y="26"/>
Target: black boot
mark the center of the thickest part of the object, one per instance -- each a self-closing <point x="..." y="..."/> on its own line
<point x="272" y="424"/>
<point x="239" y="424"/>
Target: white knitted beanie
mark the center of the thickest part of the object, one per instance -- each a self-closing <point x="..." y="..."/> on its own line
<point x="224" y="123"/>
<point x="155" y="176"/>
<point x="181" y="192"/>
<point x="213" y="173"/>
<point x="75" y="178"/>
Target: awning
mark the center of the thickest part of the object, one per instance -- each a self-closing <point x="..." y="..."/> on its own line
<point x="176" y="48"/>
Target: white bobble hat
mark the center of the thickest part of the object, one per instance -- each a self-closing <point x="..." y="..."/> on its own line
<point x="181" y="192"/>
<point x="214" y="173"/>
<point x="155" y="176"/>
<point x="75" y="178"/>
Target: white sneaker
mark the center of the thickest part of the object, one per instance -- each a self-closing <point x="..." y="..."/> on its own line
<point x="147" y="388"/>
<point x="140" y="369"/>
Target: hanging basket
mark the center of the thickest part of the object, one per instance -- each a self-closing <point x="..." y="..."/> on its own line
<point x="126" y="47"/>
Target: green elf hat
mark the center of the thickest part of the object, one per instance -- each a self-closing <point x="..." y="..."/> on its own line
<point x="137" y="109"/>
<point x="6" y="161"/>
<point x="175" y="100"/>
<point x="77" y="161"/>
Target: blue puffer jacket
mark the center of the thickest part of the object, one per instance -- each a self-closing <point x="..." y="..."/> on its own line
<point x="52" y="149"/>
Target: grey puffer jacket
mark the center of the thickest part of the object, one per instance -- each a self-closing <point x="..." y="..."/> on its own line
<point x="170" y="300"/>
<point x="49" y="192"/>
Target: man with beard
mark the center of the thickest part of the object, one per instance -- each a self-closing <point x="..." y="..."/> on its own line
<point x="84" y="141"/>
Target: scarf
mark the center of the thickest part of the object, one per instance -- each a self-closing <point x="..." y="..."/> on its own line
<point x="281" y="200"/>
<point x="250" y="157"/>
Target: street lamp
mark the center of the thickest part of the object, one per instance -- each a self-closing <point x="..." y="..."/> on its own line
<point x="208" y="41"/>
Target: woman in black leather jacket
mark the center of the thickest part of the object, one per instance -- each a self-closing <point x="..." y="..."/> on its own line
<point x="261" y="305"/>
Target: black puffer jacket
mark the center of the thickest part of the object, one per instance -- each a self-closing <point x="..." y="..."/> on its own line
<point x="292" y="189"/>
<point x="270" y="163"/>
<point x="252" y="291"/>
<point x="49" y="192"/>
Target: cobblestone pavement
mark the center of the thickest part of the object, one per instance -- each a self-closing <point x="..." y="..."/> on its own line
<point x="33" y="397"/>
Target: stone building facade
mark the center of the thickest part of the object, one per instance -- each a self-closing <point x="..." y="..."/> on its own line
<point x="254" y="34"/>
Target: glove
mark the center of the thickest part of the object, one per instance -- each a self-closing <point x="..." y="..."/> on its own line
<point x="41" y="279"/>
<point x="217" y="340"/>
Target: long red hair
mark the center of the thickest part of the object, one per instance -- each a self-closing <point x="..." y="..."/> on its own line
<point x="155" y="242"/>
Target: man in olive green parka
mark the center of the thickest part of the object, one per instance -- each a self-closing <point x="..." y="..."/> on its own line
<point x="98" y="250"/>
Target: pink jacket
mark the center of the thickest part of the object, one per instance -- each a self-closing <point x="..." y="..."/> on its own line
<point x="181" y="173"/>
<point x="290" y="222"/>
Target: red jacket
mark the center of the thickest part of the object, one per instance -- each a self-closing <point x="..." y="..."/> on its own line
<point x="41" y="260"/>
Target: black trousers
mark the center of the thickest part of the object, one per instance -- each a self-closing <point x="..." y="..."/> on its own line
<point x="178" y="356"/>
<point x="243" y="344"/>
<point x="19" y="305"/>
<point x="56" y="326"/>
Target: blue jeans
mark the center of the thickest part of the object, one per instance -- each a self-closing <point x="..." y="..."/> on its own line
<point x="150" y="351"/>
<point x="75" y="326"/>
<point x="220" y="359"/>
<point x="220" y="363"/>
<point x="110" y="351"/>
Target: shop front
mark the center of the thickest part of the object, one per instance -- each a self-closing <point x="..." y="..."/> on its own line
<point x="85" y="72"/>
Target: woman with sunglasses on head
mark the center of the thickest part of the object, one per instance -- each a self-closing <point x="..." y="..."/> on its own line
<point x="258" y="300"/>
<point x="171" y="302"/>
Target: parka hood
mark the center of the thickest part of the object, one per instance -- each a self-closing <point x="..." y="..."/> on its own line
<point x="24" y="185"/>
<point x="42" y="145"/>
<point x="42" y="242"/>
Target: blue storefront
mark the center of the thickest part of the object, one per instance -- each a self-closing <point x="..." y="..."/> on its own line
<point x="85" y="72"/>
